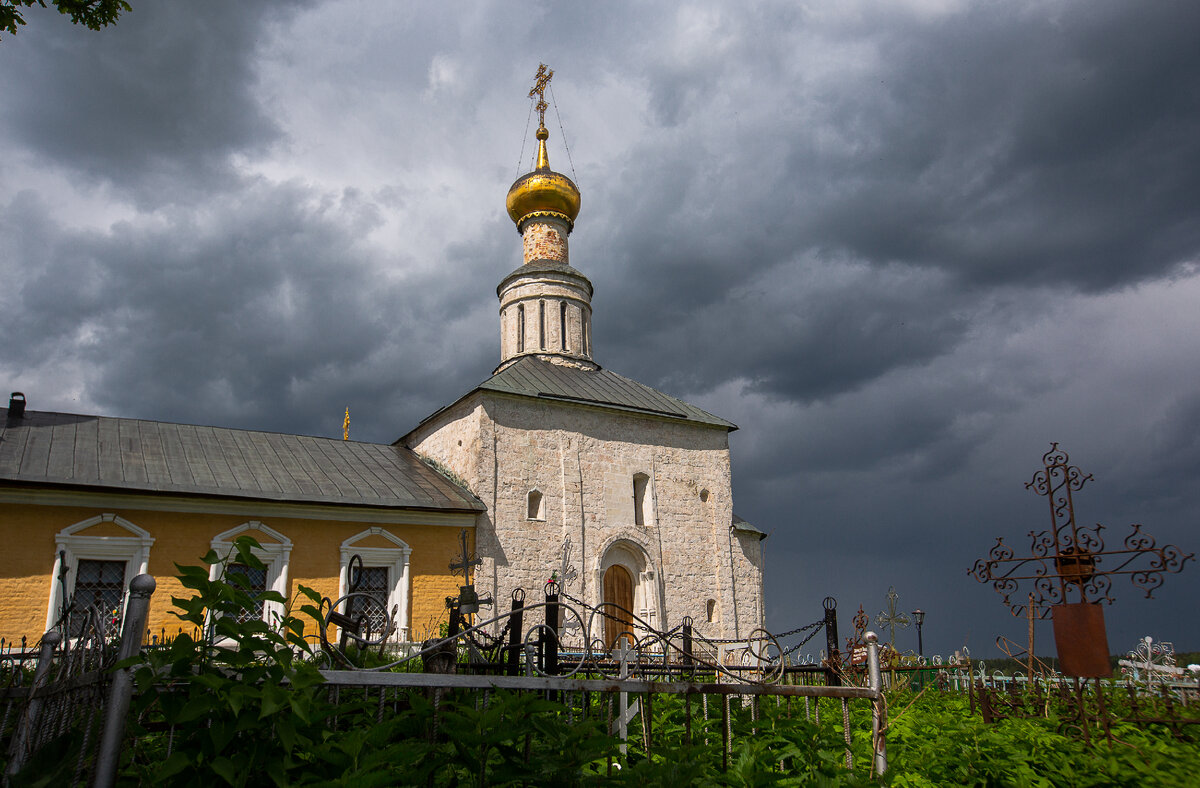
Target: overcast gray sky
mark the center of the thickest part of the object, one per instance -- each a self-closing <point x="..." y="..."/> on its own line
<point x="904" y="245"/>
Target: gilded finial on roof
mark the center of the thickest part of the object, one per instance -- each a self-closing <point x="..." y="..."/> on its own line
<point x="543" y="192"/>
<point x="346" y="425"/>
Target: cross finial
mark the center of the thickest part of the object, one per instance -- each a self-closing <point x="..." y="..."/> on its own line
<point x="541" y="82"/>
<point x="346" y="425"/>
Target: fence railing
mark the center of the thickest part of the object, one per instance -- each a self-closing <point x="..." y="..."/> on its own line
<point x="71" y="688"/>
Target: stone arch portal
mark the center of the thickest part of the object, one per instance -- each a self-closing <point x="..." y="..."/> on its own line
<point x="627" y="589"/>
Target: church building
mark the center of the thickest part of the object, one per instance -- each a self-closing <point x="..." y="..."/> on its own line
<point x="559" y="467"/>
<point x="622" y="490"/>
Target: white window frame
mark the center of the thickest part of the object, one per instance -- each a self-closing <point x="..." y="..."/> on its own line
<point x="72" y="546"/>
<point x="276" y="556"/>
<point x="395" y="559"/>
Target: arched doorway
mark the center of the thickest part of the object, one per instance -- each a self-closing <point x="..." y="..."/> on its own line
<point x="618" y="602"/>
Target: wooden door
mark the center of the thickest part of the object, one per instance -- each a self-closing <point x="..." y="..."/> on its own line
<point x="618" y="604"/>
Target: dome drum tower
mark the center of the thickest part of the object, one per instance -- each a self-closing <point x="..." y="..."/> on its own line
<point x="545" y="305"/>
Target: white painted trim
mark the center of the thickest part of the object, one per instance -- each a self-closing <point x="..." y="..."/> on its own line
<point x="158" y="502"/>
<point x="275" y="555"/>
<point x="395" y="559"/>
<point x="134" y="550"/>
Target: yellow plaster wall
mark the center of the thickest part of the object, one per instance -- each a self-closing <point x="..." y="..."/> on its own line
<point x="27" y="535"/>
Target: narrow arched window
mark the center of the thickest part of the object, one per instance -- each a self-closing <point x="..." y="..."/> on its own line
<point x="712" y="610"/>
<point x="639" y="498"/>
<point x="562" y="324"/>
<point x="583" y="330"/>
<point x="534" y="503"/>
<point x="542" y="325"/>
<point x="520" y="328"/>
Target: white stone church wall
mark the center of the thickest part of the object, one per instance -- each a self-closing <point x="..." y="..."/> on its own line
<point x="582" y="460"/>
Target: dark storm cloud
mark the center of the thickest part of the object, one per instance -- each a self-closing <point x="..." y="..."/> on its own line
<point x="996" y="146"/>
<point x="260" y="311"/>
<point x="900" y="246"/>
<point x="153" y="105"/>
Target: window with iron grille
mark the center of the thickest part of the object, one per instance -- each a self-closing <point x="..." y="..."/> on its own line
<point x="99" y="584"/>
<point x="256" y="582"/>
<point x="374" y="582"/>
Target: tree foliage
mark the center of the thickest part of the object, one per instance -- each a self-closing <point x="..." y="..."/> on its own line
<point x="93" y="14"/>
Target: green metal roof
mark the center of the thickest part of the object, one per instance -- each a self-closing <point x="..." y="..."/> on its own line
<point x="741" y="525"/>
<point x="533" y="377"/>
<point x="132" y="455"/>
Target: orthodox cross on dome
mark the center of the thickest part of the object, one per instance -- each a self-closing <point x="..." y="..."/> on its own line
<point x="891" y="619"/>
<point x="1069" y="561"/>
<point x="541" y="82"/>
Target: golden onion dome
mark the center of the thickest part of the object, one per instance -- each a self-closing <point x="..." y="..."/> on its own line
<point x="543" y="191"/>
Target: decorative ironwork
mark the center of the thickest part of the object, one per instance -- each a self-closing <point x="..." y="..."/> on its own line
<point x="1069" y="563"/>
<point x="467" y="601"/>
<point x="891" y="618"/>
<point x="566" y="571"/>
<point x="1152" y="662"/>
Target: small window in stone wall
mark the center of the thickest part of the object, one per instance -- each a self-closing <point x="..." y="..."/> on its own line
<point x="520" y="328"/>
<point x="712" y="610"/>
<point x="535" y="506"/>
<point x="562" y="324"/>
<point x="542" y="325"/>
<point x="639" y="498"/>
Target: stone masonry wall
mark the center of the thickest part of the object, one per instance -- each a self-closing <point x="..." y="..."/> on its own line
<point x="582" y="460"/>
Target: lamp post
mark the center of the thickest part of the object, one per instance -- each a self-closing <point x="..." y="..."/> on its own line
<point x="919" y="618"/>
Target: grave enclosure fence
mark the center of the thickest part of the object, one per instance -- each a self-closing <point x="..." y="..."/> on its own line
<point x="70" y="688"/>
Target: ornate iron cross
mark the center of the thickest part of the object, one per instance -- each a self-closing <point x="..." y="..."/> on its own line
<point x="1068" y="562"/>
<point x="891" y="619"/>
<point x="566" y="572"/>
<point x="466" y="559"/>
<point x="541" y="82"/>
<point x="468" y="601"/>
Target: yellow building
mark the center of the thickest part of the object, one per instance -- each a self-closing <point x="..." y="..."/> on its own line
<point x="107" y="498"/>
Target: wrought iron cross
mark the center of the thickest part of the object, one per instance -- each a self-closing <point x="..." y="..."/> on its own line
<point x="541" y="82"/>
<point x="468" y="601"/>
<point x="566" y="572"/>
<point x="1068" y="562"/>
<point x="466" y="560"/>
<point x="891" y="619"/>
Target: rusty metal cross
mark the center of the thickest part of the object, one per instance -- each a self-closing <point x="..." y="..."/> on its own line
<point x="541" y="82"/>
<point x="1068" y="561"/>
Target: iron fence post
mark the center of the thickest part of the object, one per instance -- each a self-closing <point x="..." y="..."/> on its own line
<point x="516" y="629"/>
<point x="687" y="644"/>
<point x="831" y="641"/>
<point x="878" y="712"/>
<point x="551" y="665"/>
<point x="108" y="756"/>
<point x="29" y="722"/>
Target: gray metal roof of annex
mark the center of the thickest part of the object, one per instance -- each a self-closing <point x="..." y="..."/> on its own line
<point x="533" y="377"/>
<point x="131" y="455"/>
